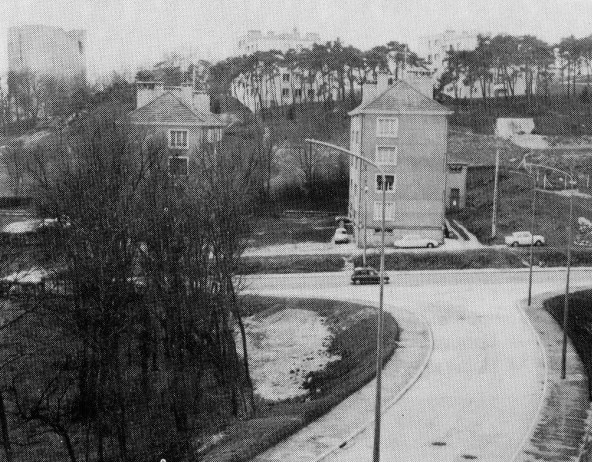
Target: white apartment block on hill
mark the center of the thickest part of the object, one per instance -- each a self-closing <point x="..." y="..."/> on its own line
<point x="434" y="47"/>
<point x="255" y="40"/>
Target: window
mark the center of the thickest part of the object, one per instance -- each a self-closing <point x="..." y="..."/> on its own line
<point x="387" y="126"/>
<point x="389" y="212"/>
<point x="386" y="155"/>
<point x="286" y="77"/>
<point x="213" y="135"/>
<point x="298" y="93"/>
<point x="80" y="47"/>
<point x="389" y="181"/>
<point x="311" y="93"/>
<point x="179" y="166"/>
<point x="178" y="139"/>
<point x="285" y="92"/>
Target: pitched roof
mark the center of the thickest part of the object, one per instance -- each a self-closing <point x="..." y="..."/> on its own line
<point x="401" y="98"/>
<point x="167" y="109"/>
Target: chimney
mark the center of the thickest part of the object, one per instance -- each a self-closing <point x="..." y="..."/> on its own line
<point x="369" y="92"/>
<point x="187" y="93"/>
<point x="381" y="83"/>
<point x="147" y="92"/>
<point x="201" y="101"/>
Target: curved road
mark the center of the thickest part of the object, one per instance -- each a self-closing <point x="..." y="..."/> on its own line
<point x="481" y="391"/>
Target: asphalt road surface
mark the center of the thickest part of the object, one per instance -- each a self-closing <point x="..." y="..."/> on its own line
<point x="480" y="393"/>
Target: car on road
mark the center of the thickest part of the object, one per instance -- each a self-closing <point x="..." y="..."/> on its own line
<point x="341" y="236"/>
<point x="367" y="275"/>
<point x="415" y="240"/>
<point x="524" y="238"/>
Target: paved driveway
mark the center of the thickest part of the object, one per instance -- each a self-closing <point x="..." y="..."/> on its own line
<point x="481" y="391"/>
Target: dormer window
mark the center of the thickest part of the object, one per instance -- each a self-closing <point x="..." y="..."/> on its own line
<point x="178" y="139"/>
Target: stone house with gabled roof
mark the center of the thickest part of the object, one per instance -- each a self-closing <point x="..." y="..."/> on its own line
<point x="182" y="115"/>
<point x="406" y="133"/>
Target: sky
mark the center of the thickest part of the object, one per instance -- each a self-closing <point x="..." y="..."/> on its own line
<point x="127" y="34"/>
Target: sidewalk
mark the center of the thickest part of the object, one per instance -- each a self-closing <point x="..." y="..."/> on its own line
<point x="562" y="426"/>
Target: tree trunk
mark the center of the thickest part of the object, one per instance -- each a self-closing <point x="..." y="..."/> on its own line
<point x="4" y="430"/>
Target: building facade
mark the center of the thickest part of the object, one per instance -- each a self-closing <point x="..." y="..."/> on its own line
<point x="45" y="50"/>
<point x="434" y="47"/>
<point x="182" y="116"/>
<point x="255" y="40"/>
<point x="406" y="134"/>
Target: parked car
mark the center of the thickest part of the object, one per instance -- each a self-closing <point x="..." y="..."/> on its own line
<point x="367" y="275"/>
<point x="342" y="218"/>
<point x="524" y="238"/>
<point x="341" y="236"/>
<point x="415" y="240"/>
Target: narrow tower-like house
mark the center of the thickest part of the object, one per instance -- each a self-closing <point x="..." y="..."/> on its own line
<point x="406" y="134"/>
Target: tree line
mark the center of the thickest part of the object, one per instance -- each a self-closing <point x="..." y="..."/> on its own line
<point x="136" y="349"/>
<point x="504" y="59"/>
<point x="325" y="70"/>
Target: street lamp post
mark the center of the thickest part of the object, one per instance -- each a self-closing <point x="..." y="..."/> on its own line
<point x="532" y="222"/>
<point x="572" y="182"/>
<point x="365" y="224"/>
<point x="566" y="298"/>
<point x="379" y="329"/>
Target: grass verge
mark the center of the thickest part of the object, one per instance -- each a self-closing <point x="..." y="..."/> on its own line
<point x="291" y="264"/>
<point x="480" y="258"/>
<point x="579" y="323"/>
<point x="354" y="339"/>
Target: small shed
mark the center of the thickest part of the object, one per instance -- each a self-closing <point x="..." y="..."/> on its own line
<point x="456" y="185"/>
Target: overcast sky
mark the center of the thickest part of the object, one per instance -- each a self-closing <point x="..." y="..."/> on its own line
<point x="129" y="33"/>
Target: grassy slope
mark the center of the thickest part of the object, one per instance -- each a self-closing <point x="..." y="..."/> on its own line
<point x="580" y="322"/>
<point x="275" y="421"/>
<point x="514" y="214"/>
<point x="287" y="230"/>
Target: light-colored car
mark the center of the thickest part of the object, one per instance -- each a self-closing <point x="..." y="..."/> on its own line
<point x="524" y="238"/>
<point x="415" y="240"/>
<point x="341" y="236"/>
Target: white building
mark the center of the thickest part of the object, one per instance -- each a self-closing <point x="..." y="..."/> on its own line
<point x="255" y="40"/>
<point x="45" y="50"/>
<point x="434" y="47"/>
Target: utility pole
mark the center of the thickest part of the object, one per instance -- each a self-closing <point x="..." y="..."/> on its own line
<point x="495" y="194"/>
<point x="534" y="195"/>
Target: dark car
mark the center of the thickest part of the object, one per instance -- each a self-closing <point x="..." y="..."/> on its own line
<point x="367" y="275"/>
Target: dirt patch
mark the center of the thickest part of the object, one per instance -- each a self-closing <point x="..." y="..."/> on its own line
<point x="284" y="348"/>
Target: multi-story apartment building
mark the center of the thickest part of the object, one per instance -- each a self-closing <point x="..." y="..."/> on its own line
<point x="406" y="134"/>
<point x="434" y="47"/>
<point x="45" y="50"/>
<point x="255" y="40"/>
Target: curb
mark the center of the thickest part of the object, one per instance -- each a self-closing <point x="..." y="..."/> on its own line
<point x="520" y="306"/>
<point x="398" y="396"/>
<point x="440" y="271"/>
<point x="574" y="430"/>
